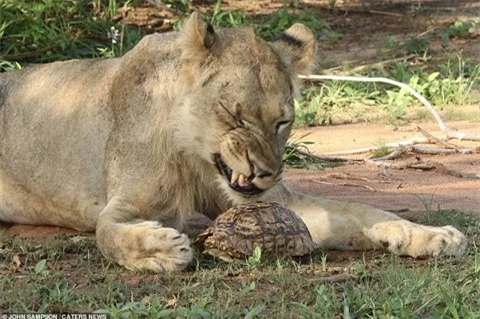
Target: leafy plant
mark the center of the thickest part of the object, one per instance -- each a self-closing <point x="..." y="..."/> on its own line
<point x="40" y="268"/>
<point x="7" y="66"/>
<point x="229" y="18"/>
<point x="254" y="312"/>
<point x="296" y="155"/>
<point x="181" y="6"/>
<point x="418" y="46"/>
<point x="284" y="18"/>
<point x="381" y="151"/>
<point x="255" y="258"/>
<point x="461" y="29"/>
<point x="51" y="30"/>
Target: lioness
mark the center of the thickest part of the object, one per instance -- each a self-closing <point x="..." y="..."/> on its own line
<point x="189" y="121"/>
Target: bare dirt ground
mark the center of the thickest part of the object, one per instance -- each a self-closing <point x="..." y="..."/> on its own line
<point x="399" y="190"/>
<point x="365" y="25"/>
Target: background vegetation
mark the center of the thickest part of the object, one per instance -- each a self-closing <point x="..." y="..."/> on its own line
<point x="48" y="30"/>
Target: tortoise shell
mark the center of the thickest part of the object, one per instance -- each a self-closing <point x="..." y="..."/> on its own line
<point x="275" y="229"/>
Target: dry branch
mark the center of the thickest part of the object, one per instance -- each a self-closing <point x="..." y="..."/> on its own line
<point x="344" y="184"/>
<point x="418" y="163"/>
<point x="347" y="176"/>
<point x="413" y="140"/>
<point x="162" y="6"/>
<point x="323" y="158"/>
<point x="27" y="55"/>
<point x="362" y="67"/>
<point x="462" y="136"/>
<point x="435" y="140"/>
<point x="363" y="11"/>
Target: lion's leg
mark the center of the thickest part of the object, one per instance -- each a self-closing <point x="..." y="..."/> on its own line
<point x="355" y="226"/>
<point x="344" y="225"/>
<point x="140" y="244"/>
<point x="406" y="238"/>
<point x="20" y="206"/>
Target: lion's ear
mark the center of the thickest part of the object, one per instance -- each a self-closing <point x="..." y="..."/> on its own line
<point x="197" y="38"/>
<point x="297" y="46"/>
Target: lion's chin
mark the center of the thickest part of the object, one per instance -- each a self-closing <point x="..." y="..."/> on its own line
<point x="244" y="186"/>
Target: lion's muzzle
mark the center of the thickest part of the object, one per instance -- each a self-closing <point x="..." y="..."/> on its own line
<point x="237" y="181"/>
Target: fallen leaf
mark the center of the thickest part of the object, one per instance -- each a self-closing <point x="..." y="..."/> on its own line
<point x="171" y="303"/>
<point x="16" y="263"/>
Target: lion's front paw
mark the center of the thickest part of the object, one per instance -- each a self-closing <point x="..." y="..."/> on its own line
<point x="147" y="245"/>
<point x="408" y="239"/>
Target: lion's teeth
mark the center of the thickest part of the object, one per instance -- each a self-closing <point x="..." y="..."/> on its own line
<point x="241" y="180"/>
<point x="234" y="177"/>
<point x="238" y="178"/>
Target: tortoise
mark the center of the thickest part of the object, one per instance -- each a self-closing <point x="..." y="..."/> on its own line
<point x="275" y="229"/>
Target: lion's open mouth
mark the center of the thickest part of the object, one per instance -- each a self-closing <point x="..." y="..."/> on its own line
<point x="237" y="181"/>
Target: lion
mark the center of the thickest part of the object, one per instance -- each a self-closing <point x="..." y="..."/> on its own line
<point x="189" y="121"/>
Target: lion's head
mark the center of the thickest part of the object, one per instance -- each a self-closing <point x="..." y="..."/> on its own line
<point x="238" y="110"/>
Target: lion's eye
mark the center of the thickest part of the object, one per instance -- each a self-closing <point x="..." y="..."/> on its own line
<point x="280" y="126"/>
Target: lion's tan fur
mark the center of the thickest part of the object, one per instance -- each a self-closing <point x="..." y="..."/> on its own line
<point x="113" y="145"/>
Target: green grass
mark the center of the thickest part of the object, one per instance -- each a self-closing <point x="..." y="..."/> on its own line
<point x="67" y="274"/>
<point x="461" y="29"/>
<point x="49" y="30"/>
<point x="381" y="151"/>
<point x="451" y="86"/>
<point x="295" y="157"/>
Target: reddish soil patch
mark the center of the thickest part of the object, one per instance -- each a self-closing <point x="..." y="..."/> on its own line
<point x="396" y="190"/>
<point x="391" y="189"/>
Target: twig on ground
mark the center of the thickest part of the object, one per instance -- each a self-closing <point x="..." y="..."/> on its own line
<point x="406" y="148"/>
<point x="337" y="278"/>
<point x="160" y="5"/>
<point x="386" y="13"/>
<point x="332" y="159"/>
<point x="397" y="153"/>
<point x="419" y="163"/>
<point x="344" y="184"/>
<point x="363" y="11"/>
<point x="435" y="140"/>
<point x="462" y="136"/>
<point x="27" y="55"/>
<point x="372" y="65"/>
<point x="347" y="176"/>
<point x="413" y="140"/>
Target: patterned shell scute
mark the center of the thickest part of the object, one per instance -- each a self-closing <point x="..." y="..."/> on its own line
<point x="275" y="229"/>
